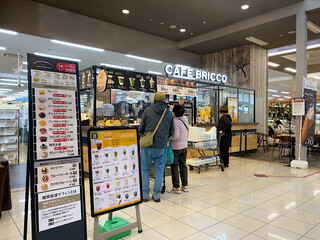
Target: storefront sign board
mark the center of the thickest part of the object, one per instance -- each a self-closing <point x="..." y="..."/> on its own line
<point x="115" y="177"/>
<point x="55" y="158"/>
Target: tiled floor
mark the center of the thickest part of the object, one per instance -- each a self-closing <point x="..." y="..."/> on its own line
<point x="220" y="205"/>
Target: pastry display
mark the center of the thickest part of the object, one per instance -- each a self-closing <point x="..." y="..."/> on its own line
<point x="44" y="154"/>
<point x="44" y="170"/>
<point x="43" y="139"/>
<point x="42" y="122"/>
<point x="42" y="99"/>
<point x="41" y="92"/>
<point x="44" y="187"/>
<point x="42" y="107"/>
<point x="45" y="178"/>
<point x="43" y="130"/>
<point x="42" y="115"/>
<point x="102" y="81"/>
<point x="43" y="147"/>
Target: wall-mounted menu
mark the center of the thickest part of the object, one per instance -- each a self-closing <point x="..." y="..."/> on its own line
<point x="182" y="87"/>
<point x="55" y="150"/>
<point x="114" y="169"/>
<point x="125" y="80"/>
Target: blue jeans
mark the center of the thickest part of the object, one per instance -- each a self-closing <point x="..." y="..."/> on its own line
<point x="159" y="158"/>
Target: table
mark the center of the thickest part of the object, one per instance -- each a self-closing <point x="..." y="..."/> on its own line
<point x="5" y="193"/>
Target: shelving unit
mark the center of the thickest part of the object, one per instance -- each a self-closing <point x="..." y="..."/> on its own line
<point x="9" y="134"/>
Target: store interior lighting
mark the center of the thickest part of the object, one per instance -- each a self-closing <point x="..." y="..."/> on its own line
<point x="12" y="80"/>
<point x="290" y="70"/>
<point x="292" y="48"/>
<point x="8" y="31"/>
<point x="11" y="84"/>
<point x="257" y="41"/>
<point x="77" y="45"/>
<point x="156" y="73"/>
<point x="273" y="64"/>
<point x="313" y="27"/>
<point x="271" y="90"/>
<point x="284" y="92"/>
<point x="117" y="66"/>
<point x="2" y="48"/>
<point x="143" y="58"/>
<point x="57" y="57"/>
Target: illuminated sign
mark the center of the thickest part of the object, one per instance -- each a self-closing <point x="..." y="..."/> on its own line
<point x="191" y="73"/>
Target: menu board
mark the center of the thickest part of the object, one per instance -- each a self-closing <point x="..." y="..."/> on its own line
<point x="85" y="78"/>
<point x="181" y="87"/>
<point x="54" y="149"/>
<point x="125" y="80"/>
<point x="115" y="178"/>
<point x="232" y="104"/>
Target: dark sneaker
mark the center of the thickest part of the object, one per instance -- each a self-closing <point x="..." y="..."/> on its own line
<point x="156" y="199"/>
<point x="145" y="199"/>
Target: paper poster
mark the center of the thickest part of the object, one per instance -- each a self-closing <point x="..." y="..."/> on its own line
<point x="115" y="169"/>
<point x="298" y="107"/>
<point x="59" y="207"/>
<point x="232" y="104"/>
<point x="181" y="87"/>
<point x="308" y="120"/>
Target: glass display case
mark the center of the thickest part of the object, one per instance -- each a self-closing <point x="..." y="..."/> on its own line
<point x="86" y="106"/>
<point x="246" y="105"/>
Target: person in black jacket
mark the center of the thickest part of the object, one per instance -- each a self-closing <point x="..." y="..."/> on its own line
<point x="224" y="127"/>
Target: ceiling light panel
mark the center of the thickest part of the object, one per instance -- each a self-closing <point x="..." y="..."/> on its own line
<point x="11" y="84"/>
<point x="182" y="30"/>
<point x="313" y="27"/>
<point x="257" y="41"/>
<point x="156" y="73"/>
<point x="290" y="70"/>
<point x="125" y="11"/>
<point x="77" y="45"/>
<point x="117" y="66"/>
<point x="143" y="58"/>
<point x="57" y="57"/>
<point x="8" y="31"/>
<point x="2" y="48"/>
<point x="284" y="92"/>
<point x="273" y="64"/>
<point x="271" y="90"/>
<point x="12" y="80"/>
<point x="245" y="7"/>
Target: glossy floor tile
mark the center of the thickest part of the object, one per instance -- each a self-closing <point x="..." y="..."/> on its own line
<point x="219" y="205"/>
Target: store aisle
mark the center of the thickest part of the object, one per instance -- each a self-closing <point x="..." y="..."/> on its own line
<point x="231" y="205"/>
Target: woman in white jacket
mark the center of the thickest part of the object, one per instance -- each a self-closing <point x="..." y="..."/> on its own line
<point x="179" y="142"/>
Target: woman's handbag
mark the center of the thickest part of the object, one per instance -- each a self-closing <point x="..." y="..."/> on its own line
<point x="146" y="140"/>
<point x="170" y="155"/>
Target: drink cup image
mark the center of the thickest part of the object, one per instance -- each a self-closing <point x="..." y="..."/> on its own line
<point x="135" y="193"/>
<point x="133" y="166"/>
<point x="107" y="170"/>
<point x="99" y="144"/>
<point x="98" y="188"/>
<point x="131" y="81"/>
<point x="110" y="79"/>
<point x="126" y="182"/>
<point x="132" y="152"/>
<point x="106" y="155"/>
<point x="107" y="185"/>
<point x="151" y="83"/>
<point x="124" y="152"/>
<point x="142" y="82"/>
<point x="115" y="154"/>
<point x="96" y="156"/>
<point x="97" y="173"/>
<point x="134" y="179"/>
<point x="121" y="80"/>
<point x="127" y="195"/>
<point x="116" y="168"/>
<point x="118" y="184"/>
<point x="125" y="167"/>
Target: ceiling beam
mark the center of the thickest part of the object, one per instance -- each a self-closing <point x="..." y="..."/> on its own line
<point x="271" y="16"/>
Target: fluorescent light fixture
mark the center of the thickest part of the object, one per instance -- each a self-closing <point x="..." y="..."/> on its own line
<point x="77" y="45"/>
<point x="270" y="98"/>
<point x="271" y="90"/>
<point x="313" y="46"/>
<point x="273" y="64"/>
<point x="5" y="89"/>
<point x="125" y="11"/>
<point x="117" y="66"/>
<point x="182" y="30"/>
<point x="256" y="41"/>
<point x="290" y="70"/>
<point x="8" y="31"/>
<point x="2" y="48"/>
<point x="58" y="57"/>
<point x="157" y="73"/>
<point x="284" y="92"/>
<point x="276" y="95"/>
<point x="316" y="77"/>
<point x="245" y="7"/>
<point x="282" y="52"/>
<point x="313" y="27"/>
<point x="25" y="63"/>
<point x="287" y="97"/>
<point x="12" y="80"/>
<point x="11" y="84"/>
<point x="292" y="48"/>
<point x="142" y="58"/>
<point x="280" y="99"/>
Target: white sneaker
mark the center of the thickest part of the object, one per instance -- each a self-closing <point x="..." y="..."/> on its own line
<point x="184" y="189"/>
<point x="175" y="191"/>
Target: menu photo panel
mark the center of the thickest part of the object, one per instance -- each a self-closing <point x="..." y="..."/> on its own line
<point x="115" y="176"/>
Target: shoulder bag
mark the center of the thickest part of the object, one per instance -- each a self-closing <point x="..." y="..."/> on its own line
<point x="146" y="140"/>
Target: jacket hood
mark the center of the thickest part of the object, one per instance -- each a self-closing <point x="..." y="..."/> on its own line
<point x="158" y="107"/>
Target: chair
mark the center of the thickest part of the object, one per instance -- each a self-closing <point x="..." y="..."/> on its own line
<point x="277" y="143"/>
<point x="287" y="142"/>
<point x="263" y="139"/>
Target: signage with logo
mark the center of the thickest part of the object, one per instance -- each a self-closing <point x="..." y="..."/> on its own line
<point x="196" y="74"/>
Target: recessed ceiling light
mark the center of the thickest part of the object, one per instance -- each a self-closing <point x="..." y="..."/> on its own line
<point x="313" y="27"/>
<point x="290" y="70"/>
<point x="292" y="32"/>
<point x="245" y="7"/>
<point x="281" y="35"/>
<point x="162" y="23"/>
<point x="125" y="11"/>
<point x="77" y="45"/>
<point x="182" y="30"/>
<point x="150" y="20"/>
<point x="173" y="26"/>
<point x="191" y="33"/>
<point x="204" y="22"/>
<point x="273" y="64"/>
<point x="257" y="41"/>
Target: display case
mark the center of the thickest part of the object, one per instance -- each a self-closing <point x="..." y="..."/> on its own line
<point x="9" y="134"/>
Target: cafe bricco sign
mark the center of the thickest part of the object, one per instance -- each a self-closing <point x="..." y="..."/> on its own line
<point x="184" y="71"/>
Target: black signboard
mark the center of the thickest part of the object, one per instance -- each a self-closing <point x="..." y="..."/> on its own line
<point x="85" y="78"/>
<point x="127" y="80"/>
<point x="54" y="153"/>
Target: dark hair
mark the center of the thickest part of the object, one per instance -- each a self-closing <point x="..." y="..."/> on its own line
<point x="223" y="109"/>
<point x="278" y="122"/>
<point x="178" y="110"/>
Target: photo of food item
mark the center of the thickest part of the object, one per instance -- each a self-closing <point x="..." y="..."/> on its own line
<point x="42" y="99"/>
<point x="96" y="157"/>
<point x="107" y="185"/>
<point x="133" y="166"/>
<point x="115" y="154"/>
<point x="98" y="188"/>
<point x="193" y="84"/>
<point x="142" y="82"/>
<point x="173" y="82"/>
<point x="41" y="92"/>
<point x="135" y="193"/>
<point x="134" y="180"/>
<point x="188" y="84"/>
<point x="36" y="79"/>
<point x="118" y="184"/>
<point x="42" y="115"/>
<point x="99" y="144"/>
<point x="42" y="123"/>
<point x="102" y="81"/>
<point x="131" y="81"/>
<point x="44" y="170"/>
<point x="43" y="147"/>
<point x="125" y="166"/>
<point x="43" y="130"/>
<point x="121" y="80"/>
<point x="42" y="107"/>
<point x="97" y="173"/>
<point x="44" y="154"/>
<point x="43" y="139"/>
<point x="45" y="178"/>
<point x="126" y="196"/>
<point x="116" y="168"/>
<point x="118" y="195"/>
<point x="44" y="187"/>
<point x="308" y="122"/>
<point x="124" y="152"/>
<point x="167" y="81"/>
<point x="126" y="182"/>
<point x="110" y="81"/>
<point x="107" y="170"/>
<point x="132" y="152"/>
<point x="106" y="155"/>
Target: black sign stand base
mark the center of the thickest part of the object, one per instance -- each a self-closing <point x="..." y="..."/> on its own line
<point x="119" y="230"/>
